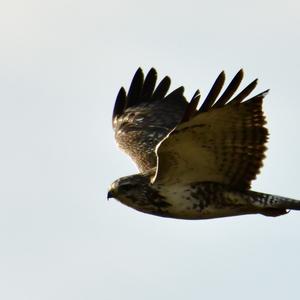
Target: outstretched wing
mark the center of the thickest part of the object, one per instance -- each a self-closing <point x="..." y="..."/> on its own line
<point x="145" y="115"/>
<point x="223" y="141"/>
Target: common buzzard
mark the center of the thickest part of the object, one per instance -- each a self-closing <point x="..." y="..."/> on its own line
<point x="193" y="163"/>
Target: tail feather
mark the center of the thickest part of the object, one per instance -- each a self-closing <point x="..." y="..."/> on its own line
<point x="273" y="205"/>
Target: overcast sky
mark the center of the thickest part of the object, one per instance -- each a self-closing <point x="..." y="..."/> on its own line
<point x="62" y="63"/>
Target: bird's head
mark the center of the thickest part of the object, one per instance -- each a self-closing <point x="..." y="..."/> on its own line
<point x="137" y="192"/>
<point x="129" y="189"/>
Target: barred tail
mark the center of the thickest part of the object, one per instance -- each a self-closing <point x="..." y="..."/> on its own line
<point x="272" y="205"/>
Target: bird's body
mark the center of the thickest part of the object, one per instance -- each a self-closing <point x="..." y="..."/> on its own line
<point x="205" y="200"/>
<point x="199" y="200"/>
<point x="194" y="164"/>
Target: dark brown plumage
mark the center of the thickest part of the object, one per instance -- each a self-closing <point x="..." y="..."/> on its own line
<point x="143" y="117"/>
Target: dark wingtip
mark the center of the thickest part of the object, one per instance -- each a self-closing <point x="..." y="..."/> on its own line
<point x="213" y="93"/>
<point x="175" y="94"/>
<point x="191" y="108"/>
<point x="135" y="88"/>
<point x="225" y="98"/>
<point x="120" y="104"/>
<point x="179" y="90"/>
<point x="196" y="95"/>
<point x="152" y="70"/>
<point x="260" y="95"/>
<point x="245" y="92"/>
<point x="230" y="90"/>
<point x="265" y="93"/>
<point x="162" y="88"/>
<point x="149" y="85"/>
<point x="240" y="74"/>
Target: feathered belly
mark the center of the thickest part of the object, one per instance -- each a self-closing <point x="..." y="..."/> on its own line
<point x="203" y="201"/>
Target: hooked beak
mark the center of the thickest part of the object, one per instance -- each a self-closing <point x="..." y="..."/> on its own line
<point x="110" y="195"/>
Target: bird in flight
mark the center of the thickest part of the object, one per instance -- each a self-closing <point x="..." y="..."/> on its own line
<point x="194" y="163"/>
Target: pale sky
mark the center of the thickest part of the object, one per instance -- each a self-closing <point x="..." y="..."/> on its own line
<point x="61" y="66"/>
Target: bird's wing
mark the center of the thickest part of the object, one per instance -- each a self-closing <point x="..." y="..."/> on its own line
<point x="145" y="115"/>
<point x="223" y="141"/>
